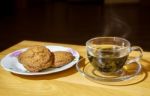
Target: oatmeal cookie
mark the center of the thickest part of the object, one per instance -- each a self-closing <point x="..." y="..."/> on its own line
<point x="36" y="58"/>
<point x="61" y="58"/>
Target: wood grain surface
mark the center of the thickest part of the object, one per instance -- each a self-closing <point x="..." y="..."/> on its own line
<point x="68" y="82"/>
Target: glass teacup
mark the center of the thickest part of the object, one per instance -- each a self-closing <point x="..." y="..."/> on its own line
<point x="108" y="55"/>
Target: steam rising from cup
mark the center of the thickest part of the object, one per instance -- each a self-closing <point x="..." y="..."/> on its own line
<point x="114" y="26"/>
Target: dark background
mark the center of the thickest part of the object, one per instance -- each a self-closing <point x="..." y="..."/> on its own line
<point x="73" y="21"/>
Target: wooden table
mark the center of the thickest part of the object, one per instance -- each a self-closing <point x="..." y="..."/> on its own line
<point x="66" y="83"/>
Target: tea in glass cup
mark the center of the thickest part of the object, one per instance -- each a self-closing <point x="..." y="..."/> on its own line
<point x="109" y="54"/>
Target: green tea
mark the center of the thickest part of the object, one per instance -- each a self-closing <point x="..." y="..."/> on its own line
<point x="108" y="59"/>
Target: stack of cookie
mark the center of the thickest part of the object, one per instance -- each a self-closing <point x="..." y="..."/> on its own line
<point x="38" y="58"/>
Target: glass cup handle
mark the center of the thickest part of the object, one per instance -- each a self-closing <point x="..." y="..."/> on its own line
<point x="137" y="58"/>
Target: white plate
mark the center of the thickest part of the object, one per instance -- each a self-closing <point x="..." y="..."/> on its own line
<point x="10" y="62"/>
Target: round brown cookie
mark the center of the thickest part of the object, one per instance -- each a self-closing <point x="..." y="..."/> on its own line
<point x="38" y="68"/>
<point x="36" y="58"/>
<point x="61" y="58"/>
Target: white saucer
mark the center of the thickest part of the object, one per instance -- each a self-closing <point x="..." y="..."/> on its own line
<point x="10" y="62"/>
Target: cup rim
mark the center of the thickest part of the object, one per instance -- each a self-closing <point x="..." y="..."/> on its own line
<point x="129" y="44"/>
